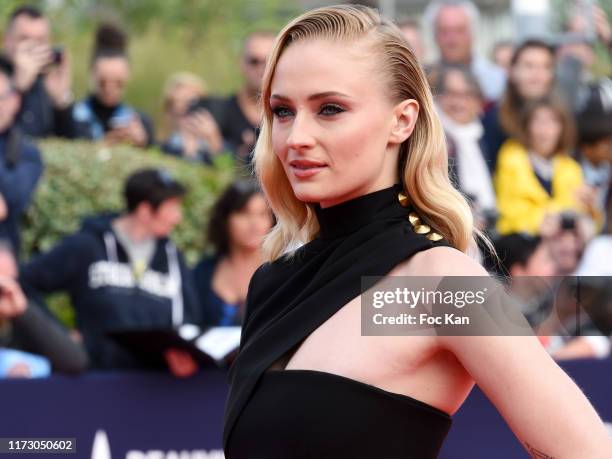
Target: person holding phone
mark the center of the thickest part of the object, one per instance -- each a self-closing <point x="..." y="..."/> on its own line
<point x="104" y="115"/>
<point x="41" y="74"/>
<point x="193" y="132"/>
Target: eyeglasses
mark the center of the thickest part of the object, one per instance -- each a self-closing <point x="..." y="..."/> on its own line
<point x="460" y="94"/>
<point x="253" y="61"/>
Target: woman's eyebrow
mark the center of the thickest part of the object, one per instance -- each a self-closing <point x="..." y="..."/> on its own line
<point x="319" y="95"/>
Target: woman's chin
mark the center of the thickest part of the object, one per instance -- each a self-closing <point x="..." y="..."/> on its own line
<point x="309" y="193"/>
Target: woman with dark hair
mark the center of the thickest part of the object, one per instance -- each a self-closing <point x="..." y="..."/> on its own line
<point x="535" y="173"/>
<point x="103" y="115"/>
<point x="531" y="76"/>
<point x="239" y="220"/>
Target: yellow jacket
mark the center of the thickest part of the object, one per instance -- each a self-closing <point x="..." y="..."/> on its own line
<point x="521" y="200"/>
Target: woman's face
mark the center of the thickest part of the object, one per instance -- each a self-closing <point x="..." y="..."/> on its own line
<point x="459" y="100"/>
<point x="533" y="73"/>
<point x="180" y="98"/>
<point x="110" y="77"/>
<point x="335" y="130"/>
<point x="248" y="226"/>
<point x="544" y="131"/>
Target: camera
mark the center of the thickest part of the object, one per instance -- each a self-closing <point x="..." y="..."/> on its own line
<point x="58" y="55"/>
<point x="567" y="222"/>
<point x="196" y="106"/>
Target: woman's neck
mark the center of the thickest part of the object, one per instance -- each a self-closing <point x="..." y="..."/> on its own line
<point x="381" y="184"/>
<point x="542" y="156"/>
<point x="244" y="256"/>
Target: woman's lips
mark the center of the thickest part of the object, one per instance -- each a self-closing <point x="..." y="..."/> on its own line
<point x="306" y="169"/>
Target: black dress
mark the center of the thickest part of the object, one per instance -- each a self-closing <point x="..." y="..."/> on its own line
<point x="288" y="414"/>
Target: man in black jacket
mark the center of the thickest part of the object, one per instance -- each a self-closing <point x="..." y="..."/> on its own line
<point x="41" y="74"/>
<point x="122" y="271"/>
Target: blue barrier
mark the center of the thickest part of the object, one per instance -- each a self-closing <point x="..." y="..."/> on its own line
<point x="155" y="416"/>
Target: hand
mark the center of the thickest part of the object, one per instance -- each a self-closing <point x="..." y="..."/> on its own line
<point x="180" y="363"/>
<point x="30" y="59"/>
<point x="12" y="300"/>
<point x="76" y="336"/>
<point x="133" y="133"/>
<point x="58" y="82"/>
<point x="3" y="208"/>
<point x="248" y="140"/>
<point x="19" y="370"/>
<point x="587" y="196"/>
<point x="550" y="225"/>
<point x="602" y="26"/>
<point x="202" y="125"/>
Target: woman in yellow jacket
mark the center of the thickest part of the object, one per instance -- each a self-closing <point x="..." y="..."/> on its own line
<point x="535" y="174"/>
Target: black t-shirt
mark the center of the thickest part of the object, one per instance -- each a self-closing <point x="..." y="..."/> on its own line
<point x="237" y="131"/>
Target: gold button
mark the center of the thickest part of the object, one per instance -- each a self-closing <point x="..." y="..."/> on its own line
<point x="414" y="219"/>
<point x="403" y="199"/>
<point x="422" y="229"/>
<point x="435" y="237"/>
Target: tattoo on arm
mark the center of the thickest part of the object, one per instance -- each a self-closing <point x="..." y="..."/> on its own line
<point x="536" y="453"/>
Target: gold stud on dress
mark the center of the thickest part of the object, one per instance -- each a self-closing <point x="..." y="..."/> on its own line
<point x="414" y="219"/>
<point x="434" y="237"/>
<point x="403" y="199"/>
<point x="421" y="228"/>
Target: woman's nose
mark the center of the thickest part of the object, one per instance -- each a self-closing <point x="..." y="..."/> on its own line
<point x="301" y="135"/>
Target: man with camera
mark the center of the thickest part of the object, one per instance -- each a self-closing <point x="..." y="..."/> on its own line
<point x="41" y="74"/>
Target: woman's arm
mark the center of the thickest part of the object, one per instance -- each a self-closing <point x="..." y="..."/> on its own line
<point x="545" y="409"/>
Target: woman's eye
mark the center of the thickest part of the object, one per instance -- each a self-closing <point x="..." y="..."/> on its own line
<point x="281" y="112"/>
<point x="331" y="109"/>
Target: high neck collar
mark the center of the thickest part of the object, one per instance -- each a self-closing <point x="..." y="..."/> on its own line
<point x="349" y="216"/>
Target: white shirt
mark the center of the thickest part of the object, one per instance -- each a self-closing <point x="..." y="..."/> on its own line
<point x="472" y="170"/>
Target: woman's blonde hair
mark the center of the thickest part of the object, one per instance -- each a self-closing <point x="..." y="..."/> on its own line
<point x="423" y="162"/>
<point x="181" y="79"/>
<point x="175" y="81"/>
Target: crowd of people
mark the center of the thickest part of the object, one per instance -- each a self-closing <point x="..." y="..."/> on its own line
<point x="529" y="136"/>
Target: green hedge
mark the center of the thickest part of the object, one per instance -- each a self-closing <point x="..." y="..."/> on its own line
<point x="82" y="179"/>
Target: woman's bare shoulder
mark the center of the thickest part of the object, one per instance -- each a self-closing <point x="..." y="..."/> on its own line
<point x="440" y="261"/>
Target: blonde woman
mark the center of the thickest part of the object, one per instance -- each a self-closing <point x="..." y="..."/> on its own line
<point x="349" y="137"/>
<point x="193" y="132"/>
